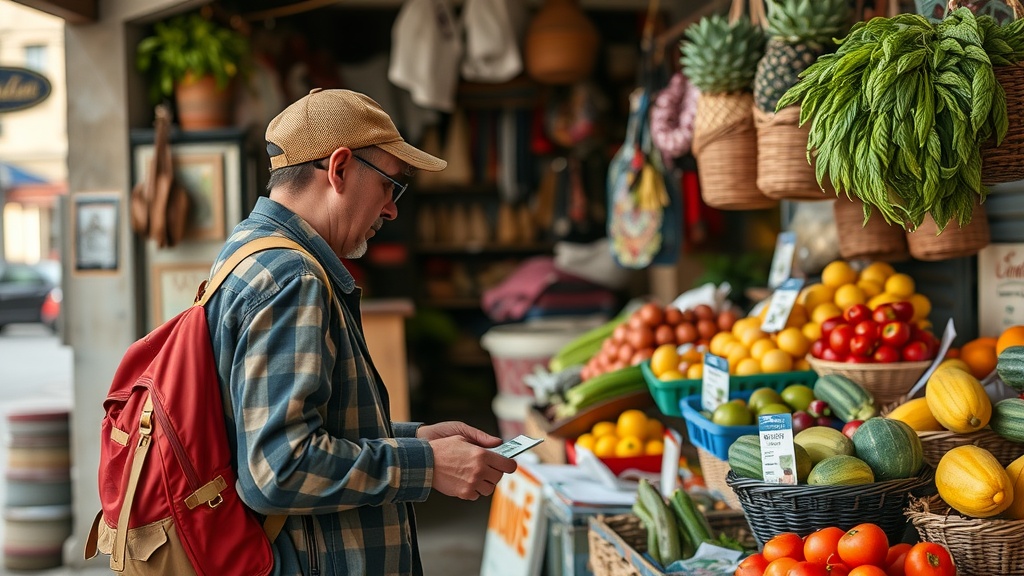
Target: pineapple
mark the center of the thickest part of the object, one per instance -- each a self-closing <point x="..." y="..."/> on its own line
<point x="720" y="57"/>
<point x="800" y="31"/>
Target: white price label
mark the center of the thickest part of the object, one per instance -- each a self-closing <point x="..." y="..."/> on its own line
<point x="715" y="383"/>
<point x="947" y="339"/>
<point x="782" y="259"/>
<point x="778" y="456"/>
<point x="781" y="305"/>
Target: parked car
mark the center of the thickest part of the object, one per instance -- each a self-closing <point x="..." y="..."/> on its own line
<point x="23" y="290"/>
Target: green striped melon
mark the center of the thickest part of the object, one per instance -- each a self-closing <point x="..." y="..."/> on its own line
<point x="841" y="470"/>
<point x="745" y="458"/>
<point x="1010" y="367"/>
<point x="890" y="447"/>
<point x="823" y="441"/>
<point x="1008" y="418"/>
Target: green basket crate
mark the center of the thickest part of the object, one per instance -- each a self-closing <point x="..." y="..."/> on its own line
<point x="668" y="393"/>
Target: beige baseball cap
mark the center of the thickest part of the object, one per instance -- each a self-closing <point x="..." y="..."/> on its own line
<point x="324" y="120"/>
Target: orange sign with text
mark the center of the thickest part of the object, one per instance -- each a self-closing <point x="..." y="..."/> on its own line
<point x="514" y="541"/>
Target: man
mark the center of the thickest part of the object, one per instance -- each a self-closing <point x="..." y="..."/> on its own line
<point x="313" y="438"/>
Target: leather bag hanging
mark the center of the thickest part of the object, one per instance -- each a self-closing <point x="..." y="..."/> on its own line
<point x="159" y="205"/>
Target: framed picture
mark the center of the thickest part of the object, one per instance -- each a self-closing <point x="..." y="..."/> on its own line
<point x="202" y="175"/>
<point x="96" y="223"/>
<point x="173" y="288"/>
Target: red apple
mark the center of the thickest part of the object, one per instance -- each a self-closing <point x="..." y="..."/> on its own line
<point x="832" y="356"/>
<point x="866" y="328"/>
<point x="823" y="421"/>
<point x="818" y="408"/>
<point x="850" y="427"/>
<point x="886" y="354"/>
<point x="854" y="359"/>
<point x="862" y="345"/>
<point x="857" y="313"/>
<point x="915" y="352"/>
<point x="830" y="324"/>
<point x="802" y="421"/>
<point x="839" y="339"/>
<point x="904" y="310"/>
<point x="895" y="334"/>
<point x="884" y="313"/>
<point x="817" y="347"/>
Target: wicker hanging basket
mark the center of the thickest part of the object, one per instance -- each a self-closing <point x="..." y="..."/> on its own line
<point x="874" y="240"/>
<point x="1005" y="163"/>
<point x="926" y="243"/>
<point x="783" y="172"/>
<point x="725" y="146"/>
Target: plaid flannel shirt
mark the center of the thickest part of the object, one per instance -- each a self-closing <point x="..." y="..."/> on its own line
<point x="312" y="432"/>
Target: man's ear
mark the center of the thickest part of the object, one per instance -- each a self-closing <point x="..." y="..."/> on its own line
<point x="337" y="163"/>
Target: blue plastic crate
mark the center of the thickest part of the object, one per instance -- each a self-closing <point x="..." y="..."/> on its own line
<point x="668" y="394"/>
<point x="714" y="438"/>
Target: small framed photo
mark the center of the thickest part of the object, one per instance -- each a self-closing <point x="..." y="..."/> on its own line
<point x="96" y="223"/>
<point x="202" y="175"/>
<point x="173" y="288"/>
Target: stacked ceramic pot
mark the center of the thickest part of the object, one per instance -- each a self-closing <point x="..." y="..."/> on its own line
<point x="37" y="512"/>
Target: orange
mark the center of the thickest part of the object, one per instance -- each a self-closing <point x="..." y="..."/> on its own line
<point x="837" y="273"/>
<point x="747" y="367"/>
<point x="695" y="372"/>
<point x="922" y="306"/>
<point x="1012" y="336"/>
<point x="629" y="446"/>
<point x="797" y="316"/>
<point x="824" y="312"/>
<point x="744" y="323"/>
<point x="901" y="285"/>
<point x="775" y="361"/>
<point x="814" y="295"/>
<point x="631" y="422"/>
<point x="980" y="358"/>
<point x="655" y="429"/>
<point x="664" y="358"/>
<point x="670" y="375"/>
<point x="812" y="331"/>
<point x="586" y="440"/>
<point x="654" y="448"/>
<point x="737" y="353"/>
<point x="603" y="428"/>
<point x="883" y="298"/>
<point x="751" y="335"/>
<point x="877" y="271"/>
<point x="869" y="287"/>
<point x="793" y="342"/>
<point x="757" y="349"/>
<point x="801" y="364"/>
<point x="718" y="342"/>
<point x="605" y="446"/>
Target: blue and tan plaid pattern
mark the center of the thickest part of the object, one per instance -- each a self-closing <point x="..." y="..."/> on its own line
<point x="313" y="437"/>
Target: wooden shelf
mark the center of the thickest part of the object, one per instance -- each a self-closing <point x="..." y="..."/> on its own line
<point x="458" y="303"/>
<point x="489" y="248"/>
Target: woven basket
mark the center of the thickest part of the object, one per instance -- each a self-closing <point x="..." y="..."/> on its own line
<point x="618" y="543"/>
<point x="725" y="146"/>
<point x="714" y="470"/>
<point x="783" y="172"/>
<point x="926" y="243"/>
<point x="888" y="383"/>
<point x="874" y="240"/>
<point x="1005" y="163"/>
<point x="775" y="508"/>
<point x="980" y="546"/>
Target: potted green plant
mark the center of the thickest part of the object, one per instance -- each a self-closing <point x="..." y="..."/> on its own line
<point x="195" y="60"/>
<point x="899" y="113"/>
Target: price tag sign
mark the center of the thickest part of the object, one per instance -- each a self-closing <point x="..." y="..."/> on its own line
<point x="781" y="305"/>
<point x="782" y="260"/>
<point x="715" y="384"/>
<point x="947" y="340"/>
<point x="778" y="457"/>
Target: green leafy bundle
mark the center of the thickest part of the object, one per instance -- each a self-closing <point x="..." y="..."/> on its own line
<point x="901" y="109"/>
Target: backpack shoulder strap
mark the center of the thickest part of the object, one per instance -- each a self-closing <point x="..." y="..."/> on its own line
<point x="207" y="289"/>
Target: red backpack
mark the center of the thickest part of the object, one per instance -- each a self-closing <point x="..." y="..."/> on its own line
<point x="165" y="477"/>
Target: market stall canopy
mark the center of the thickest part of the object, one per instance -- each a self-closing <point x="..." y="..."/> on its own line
<point x="72" y="11"/>
<point x="25" y="187"/>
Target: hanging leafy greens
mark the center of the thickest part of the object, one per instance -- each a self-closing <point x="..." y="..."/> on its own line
<point x="899" y="112"/>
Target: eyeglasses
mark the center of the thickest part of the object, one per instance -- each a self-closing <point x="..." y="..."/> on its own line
<point x="397" y="188"/>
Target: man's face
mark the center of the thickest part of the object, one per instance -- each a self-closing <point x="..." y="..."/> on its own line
<point x="373" y="186"/>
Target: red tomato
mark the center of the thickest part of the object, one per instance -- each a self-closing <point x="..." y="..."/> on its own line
<point x="886" y="354"/>
<point x="818" y="347"/>
<point x="780" y="567"/>
<point x="857" y="313"/>
<point x="821" y="546"/>
<point x="929" y="559"/>
<point x="753" y="565"/>
<point x="895" y="551"/>
<point x="867" y="570"/>
<point x="904" y="310"/>
<point x="830" y="324"/>
<point x="895" y="334"/>
<point x="863" y="544"/>
<point x="897" y="566"/>
<point x="839" y="339"/>
<point x="808" y="569"/>
<point x="884" y="313"/>
<point x="915" y="352"/>
<point x="784" y="545"/>
<point x="866" y="328"/>
<point x="862" y="345"/>
<point x="838" y="569"/>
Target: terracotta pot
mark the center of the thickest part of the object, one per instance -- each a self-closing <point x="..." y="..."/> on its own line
<point x="201" y="104"/>
<point x="561" y="43"/>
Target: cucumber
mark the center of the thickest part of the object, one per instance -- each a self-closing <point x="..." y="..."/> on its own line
<point x="1008" y="418"/>
<point x="668" y="536"/>
<point x="696" y="524"/>
<point x="847" y="399"/>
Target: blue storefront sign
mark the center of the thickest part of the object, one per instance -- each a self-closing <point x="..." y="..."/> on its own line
<point x="21" y="88"/>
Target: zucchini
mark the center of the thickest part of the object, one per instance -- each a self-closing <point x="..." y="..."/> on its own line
<point x="652" y="530"/>
<point x="698" y="530"/>
<point x="604" y="387"/>
<point x="847" y="399"/>
<point x="668" y="537"/>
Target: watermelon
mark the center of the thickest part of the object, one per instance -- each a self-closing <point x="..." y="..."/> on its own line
<point x="890" y="447"/>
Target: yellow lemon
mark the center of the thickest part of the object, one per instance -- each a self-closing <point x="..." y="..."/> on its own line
<point x="776" y="361"/>
<point x="670" y="375"/>
<point x="748" y="367"/>
<point x="718" y="341"/>
<point x="758" y="349"/>
<point x="801" y="364"/>
<point x="695" y="372"/>
<point x="797" y="316"/>
<point x="602" y="429"/>
<point x="900" y="285"/>
<point x="654" y="448"/>
<point x="629" y="447"/>
<point x="793" y="342"/>
<point x="605" y="446"/>
<point x="815" y="294"/>
<point x="744" y="323"/>
<point x="922" y="306"/>
<point x="837" y="273"/>
<point x="812" y="331"/>
<point x="870" y="288"/>
<point x="736" y="353"/>
<point x="631" y="422"/>
<point x="847" y="295"/>
<point x="586" y="440"/>
<point x="751" y="335"/>
<point x="664" y="358"/>
<point x="655" y="429"/>
<point x="877" y="272"/>
<point x="883" y="298"/>
<point x="824" y="312"/>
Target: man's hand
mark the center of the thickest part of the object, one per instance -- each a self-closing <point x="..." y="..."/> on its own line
<point x="464" y="469"/>
<point x="452" y="428"/>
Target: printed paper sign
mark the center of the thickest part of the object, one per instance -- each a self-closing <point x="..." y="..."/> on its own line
<point x="715" y="383"/>
<point x="1000" y="288"/>
<point x="781" y="305"/>
<point x="947" y="340"/>
<point x="778" y="457"/>
<point x="514" y="543"/>
<point x="782" y="260"/>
